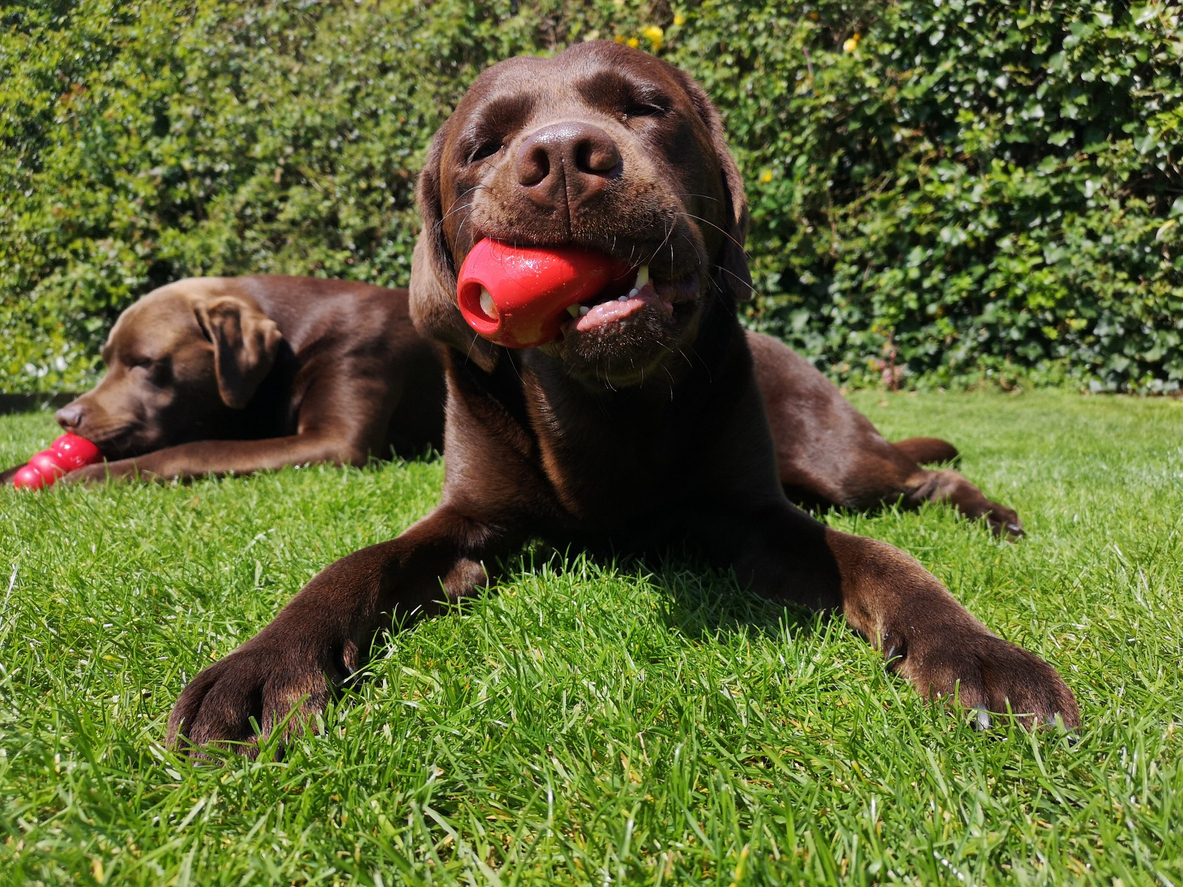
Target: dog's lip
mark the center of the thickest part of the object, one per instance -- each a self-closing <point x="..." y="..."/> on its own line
<point x="116" y="442"/>
<point x="113" y="447"/>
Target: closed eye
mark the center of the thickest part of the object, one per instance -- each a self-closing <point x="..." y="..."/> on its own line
<point x="625" y="97"/>
<point x="641" y="106"/>
<point x="482" y="150"/>
<point x="495" y="125"/>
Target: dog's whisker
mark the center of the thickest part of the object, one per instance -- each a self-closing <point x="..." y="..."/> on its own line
<point x="724" y="231"/>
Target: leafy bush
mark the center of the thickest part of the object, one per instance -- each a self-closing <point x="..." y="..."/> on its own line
<point x="941" y="193"/>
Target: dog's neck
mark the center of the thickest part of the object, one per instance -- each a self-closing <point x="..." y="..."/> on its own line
<point x="639" y="436"/>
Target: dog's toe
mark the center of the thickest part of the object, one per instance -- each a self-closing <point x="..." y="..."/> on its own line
<point x="240" y="701"/>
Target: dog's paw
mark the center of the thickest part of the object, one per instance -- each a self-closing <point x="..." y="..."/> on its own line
<point x="1003" y="521"/>
<point x="96" y="473"/>
<point x="245" y="698"/>
<point x="986" y="673"/>
<point x="117" y="470"/>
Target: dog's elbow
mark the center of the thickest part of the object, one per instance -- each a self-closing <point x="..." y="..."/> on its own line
<point x="357" y="459"/>
<point x="355" y="456"/>
<point x="313" y="449"/>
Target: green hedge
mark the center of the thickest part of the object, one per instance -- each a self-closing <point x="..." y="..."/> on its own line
<point x="942" y="192"/>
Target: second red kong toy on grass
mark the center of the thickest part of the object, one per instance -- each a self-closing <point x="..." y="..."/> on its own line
<point x="65" y="454"/>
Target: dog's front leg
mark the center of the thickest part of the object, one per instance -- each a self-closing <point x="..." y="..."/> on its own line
<point x="206" y="457"/>
<point x="903" y="610"/>
<point x="324" y="634"/>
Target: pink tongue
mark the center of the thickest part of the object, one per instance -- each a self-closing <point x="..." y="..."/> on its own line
<point x="518" y="296"/>
<point x="618" y="309"/>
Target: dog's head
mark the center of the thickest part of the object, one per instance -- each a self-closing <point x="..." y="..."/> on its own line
<point x="602" y="147"/>
<point x="178" y="361"/>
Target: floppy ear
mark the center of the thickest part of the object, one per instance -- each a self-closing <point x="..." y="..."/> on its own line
<point x="733" y="274"/>
<point x="433" y="276"/>
<point x="245" y="342"/>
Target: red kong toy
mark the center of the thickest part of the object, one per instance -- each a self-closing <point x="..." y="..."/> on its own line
<point x="65" y="454"/>
<point x="518" y="296"/>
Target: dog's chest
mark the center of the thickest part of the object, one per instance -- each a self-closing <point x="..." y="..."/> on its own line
<point x="615" y="462"/>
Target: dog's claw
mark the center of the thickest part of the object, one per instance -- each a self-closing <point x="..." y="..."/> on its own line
<point x="893" y="654"/>
<point x="982" y="720"/>
<point x="1056" y="722"/>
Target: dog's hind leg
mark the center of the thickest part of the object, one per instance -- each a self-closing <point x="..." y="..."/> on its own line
<point x="927" y="450"/>
<point x="947" y="485"/>
<point x="828" y="453"/>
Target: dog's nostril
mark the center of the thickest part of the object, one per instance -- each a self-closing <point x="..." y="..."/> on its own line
<point x="597" y="155"/>
<point x="69" y="416"/>
<point x="533" y="164"/>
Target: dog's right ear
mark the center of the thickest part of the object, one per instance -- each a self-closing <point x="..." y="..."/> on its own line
<point x="433" y="275"/>
<point x="245" y="343"/>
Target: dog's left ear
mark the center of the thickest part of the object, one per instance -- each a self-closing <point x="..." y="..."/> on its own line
<point x="245" y="342"/>
<point x="433" y="277"/>
<point x="733" y="274"/>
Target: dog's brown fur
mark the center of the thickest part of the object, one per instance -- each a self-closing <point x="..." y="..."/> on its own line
<point x="218" y="375"/>
<point x="628" y="437"/>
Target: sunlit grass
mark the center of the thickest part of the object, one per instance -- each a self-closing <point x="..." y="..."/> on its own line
<point x="596" y="722"/>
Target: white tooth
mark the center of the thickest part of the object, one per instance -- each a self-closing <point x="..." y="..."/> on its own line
<point x="583" y="309"/>
<point x="487" y="304"/>
<point x="622" y="299"/>
<point x="573" y="310"/>
<point x="633" y="292"/>
<point x="642" y="277"/>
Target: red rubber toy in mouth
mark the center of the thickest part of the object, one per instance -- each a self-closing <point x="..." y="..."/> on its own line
<point x="65" y="454"/>
<point x="517" y="296"/>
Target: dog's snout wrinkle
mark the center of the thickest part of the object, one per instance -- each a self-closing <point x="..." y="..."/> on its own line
<point x="562" y="165"/>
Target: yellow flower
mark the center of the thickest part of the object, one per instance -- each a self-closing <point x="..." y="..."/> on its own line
<point x="654" y="35"/>
<point x="766" y="177"/>
<point x="633" y="42"/>
<point x="679" y="19"/>
<point x="852" y="44"/>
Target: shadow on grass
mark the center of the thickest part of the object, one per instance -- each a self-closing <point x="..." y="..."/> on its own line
<point x="699" y="600"/>
<point x="703" y="603"/>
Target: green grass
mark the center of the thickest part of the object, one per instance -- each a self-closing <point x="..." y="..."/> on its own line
<point x="594" y="723"/>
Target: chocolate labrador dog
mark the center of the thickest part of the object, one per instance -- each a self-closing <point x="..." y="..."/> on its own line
<point x="642" y="426"/>
<point x="217" y="375"/>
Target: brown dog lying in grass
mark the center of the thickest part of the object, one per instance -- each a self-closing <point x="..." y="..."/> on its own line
<point x="641" y="427"/>
<point x="241" y="374"/>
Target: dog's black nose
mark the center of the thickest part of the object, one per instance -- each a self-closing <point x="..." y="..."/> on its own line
<point x="564" y="164"/>
<point x="69" y="416"/>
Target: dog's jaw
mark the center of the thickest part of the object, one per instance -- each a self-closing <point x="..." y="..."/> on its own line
<point x="643" y="334"/>
<point x="636" y="330"/>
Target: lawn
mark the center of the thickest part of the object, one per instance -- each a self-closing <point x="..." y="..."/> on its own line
<point x="604" y="723"/>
